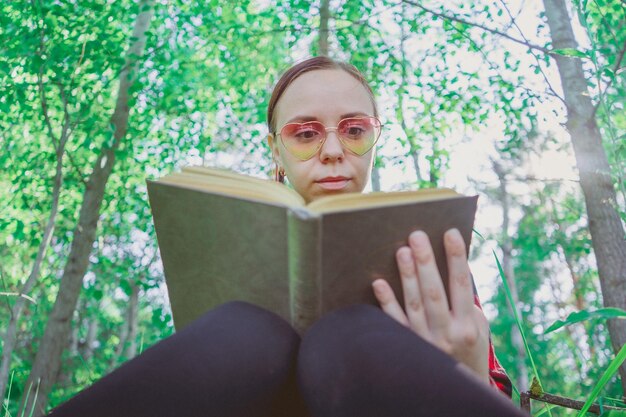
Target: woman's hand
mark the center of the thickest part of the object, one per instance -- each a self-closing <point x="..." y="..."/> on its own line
<point x="460" y="329"/>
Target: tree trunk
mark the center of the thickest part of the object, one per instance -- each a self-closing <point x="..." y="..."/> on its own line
<point x="127" y="345"/>
<point x="507" y="267"/>
<point x="48" y="360"/>
<point x="415" y="157"/>
<point x="323" y="35"/>
<point x="434" y="172"/>
<point x="91" y="338"/>
<point x="568" y="258"/>
<point x="414" y="148"/>
<point x="133" y="322"/>
<point x="74" y="339"/>
<point x="119" y="351"/>
<point x="375" y="178"/>
<point x="573" y="340"/>
<point x="607" y="232"/>
<point x="10" y="335"/>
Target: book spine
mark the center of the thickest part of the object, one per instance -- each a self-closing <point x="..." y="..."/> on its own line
<point x="304" y="254"/>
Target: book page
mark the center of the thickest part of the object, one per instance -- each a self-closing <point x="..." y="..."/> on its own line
<point x="237" y="185"/>
<point x="346" y="202"/>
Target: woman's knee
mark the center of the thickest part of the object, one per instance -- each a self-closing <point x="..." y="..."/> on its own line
<point x="344" y="341"/>
<point x="237" y="326"/>
<point x="343" y="325"/>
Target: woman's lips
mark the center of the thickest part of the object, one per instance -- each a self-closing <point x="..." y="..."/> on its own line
<point x="333" y="183"/>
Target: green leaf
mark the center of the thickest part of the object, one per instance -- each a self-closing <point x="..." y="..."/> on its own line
<point x="609" y="73"/>
<point x="614" y="413"/>
<point x="535" y="387"/>
<point x="573" y="52"/>
<point x="98" y="294"/>
<point x="19" y="230"/>
<point x="126" y="287"/>
<point x="608" y="374"/>
<point x="578" y="316"/>
<point x="518" y="321"/>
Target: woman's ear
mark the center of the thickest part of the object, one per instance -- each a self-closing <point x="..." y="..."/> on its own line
<point x="271" y="141"/>
<point x="279" y="172"/>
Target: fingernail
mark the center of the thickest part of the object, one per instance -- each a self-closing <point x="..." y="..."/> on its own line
<point x="378" y="286"/>
<point x="453" y="233"/>
<point x="404" y="254"/>
<point x="418" y="237"/>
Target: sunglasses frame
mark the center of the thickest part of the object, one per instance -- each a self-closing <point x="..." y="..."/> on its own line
<point x="333" y="129"/>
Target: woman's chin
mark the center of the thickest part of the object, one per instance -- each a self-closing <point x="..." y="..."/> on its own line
<point x="325" y="192"/>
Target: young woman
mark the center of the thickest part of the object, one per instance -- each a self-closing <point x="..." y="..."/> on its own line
<point x="323" y="124"/>
<point x="239" y="360"/>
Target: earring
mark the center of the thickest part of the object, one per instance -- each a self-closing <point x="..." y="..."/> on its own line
<point x="279" y="174"/>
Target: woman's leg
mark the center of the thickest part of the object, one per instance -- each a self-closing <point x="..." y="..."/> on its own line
<point x="360" y="362"/>
<point x="236" y="360"/>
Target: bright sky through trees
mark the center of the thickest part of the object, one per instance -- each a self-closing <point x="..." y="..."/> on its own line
<point x="464" y="106"/>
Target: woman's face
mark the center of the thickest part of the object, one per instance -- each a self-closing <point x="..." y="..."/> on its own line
<point x="326" y="96"/>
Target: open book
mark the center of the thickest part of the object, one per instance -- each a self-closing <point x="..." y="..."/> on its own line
<point x="225" y="236"/>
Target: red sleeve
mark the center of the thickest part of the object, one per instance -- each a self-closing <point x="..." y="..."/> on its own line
<point x="497" y="376"/>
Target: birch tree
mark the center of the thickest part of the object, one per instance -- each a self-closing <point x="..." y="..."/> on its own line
<point x="323" y="28"/>
<point x="10" y="334"/>
<point x="596" y="181"/>
<point x="507" y="266"/>
<point x="605" y="225"/>
<point x="48" y="360"/>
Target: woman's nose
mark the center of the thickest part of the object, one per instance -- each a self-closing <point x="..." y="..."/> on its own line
<point x="332" y="149"/>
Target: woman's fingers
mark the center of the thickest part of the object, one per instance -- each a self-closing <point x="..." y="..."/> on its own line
<point x="430" y="285"/>
<point x="388" y="302"/>
<point x="459" y="328"/>
<point x="413" y="304"/>
<point x="459" y="282"/>
<point x="472" y="342"/>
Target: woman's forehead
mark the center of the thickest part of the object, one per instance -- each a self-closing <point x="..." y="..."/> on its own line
<point x="323" y="93"/>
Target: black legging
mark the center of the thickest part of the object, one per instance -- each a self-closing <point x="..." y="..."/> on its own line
<point x="240" y="360"/>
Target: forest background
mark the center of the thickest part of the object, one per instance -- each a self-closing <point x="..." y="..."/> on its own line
<point x="519" y="101"/>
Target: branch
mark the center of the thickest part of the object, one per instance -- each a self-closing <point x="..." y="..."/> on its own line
<point x="80" y="62"/>
<point x="545" y="77"/>
<point x="606" y="22"/>
<point x="616" y="67"/>
<point x="42" y="91"/>
<point x="5" y="288"/>
<point x="563" y="402"/>
<point x="66" y="119"/>
<point x="66" y="132"/>
<point x="366" y="19"/>
<point x="44" y="109"/>
<point x="513" y="21"/>
<point x="483" y="27"/>
<point x="58" y="143"/>
<point x="530" y="178"/>
<point x="486" y="59"/>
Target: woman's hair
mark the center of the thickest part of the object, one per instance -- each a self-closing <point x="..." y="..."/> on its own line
<point x="312" y="64"/>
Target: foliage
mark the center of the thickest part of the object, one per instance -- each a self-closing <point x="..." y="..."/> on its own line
<point x="201" y="97"/>
<point x="606" y="376"/>
<point x="577" y="317"/>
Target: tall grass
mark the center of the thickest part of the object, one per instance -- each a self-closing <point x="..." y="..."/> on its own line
<point x="604" y="314"/>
